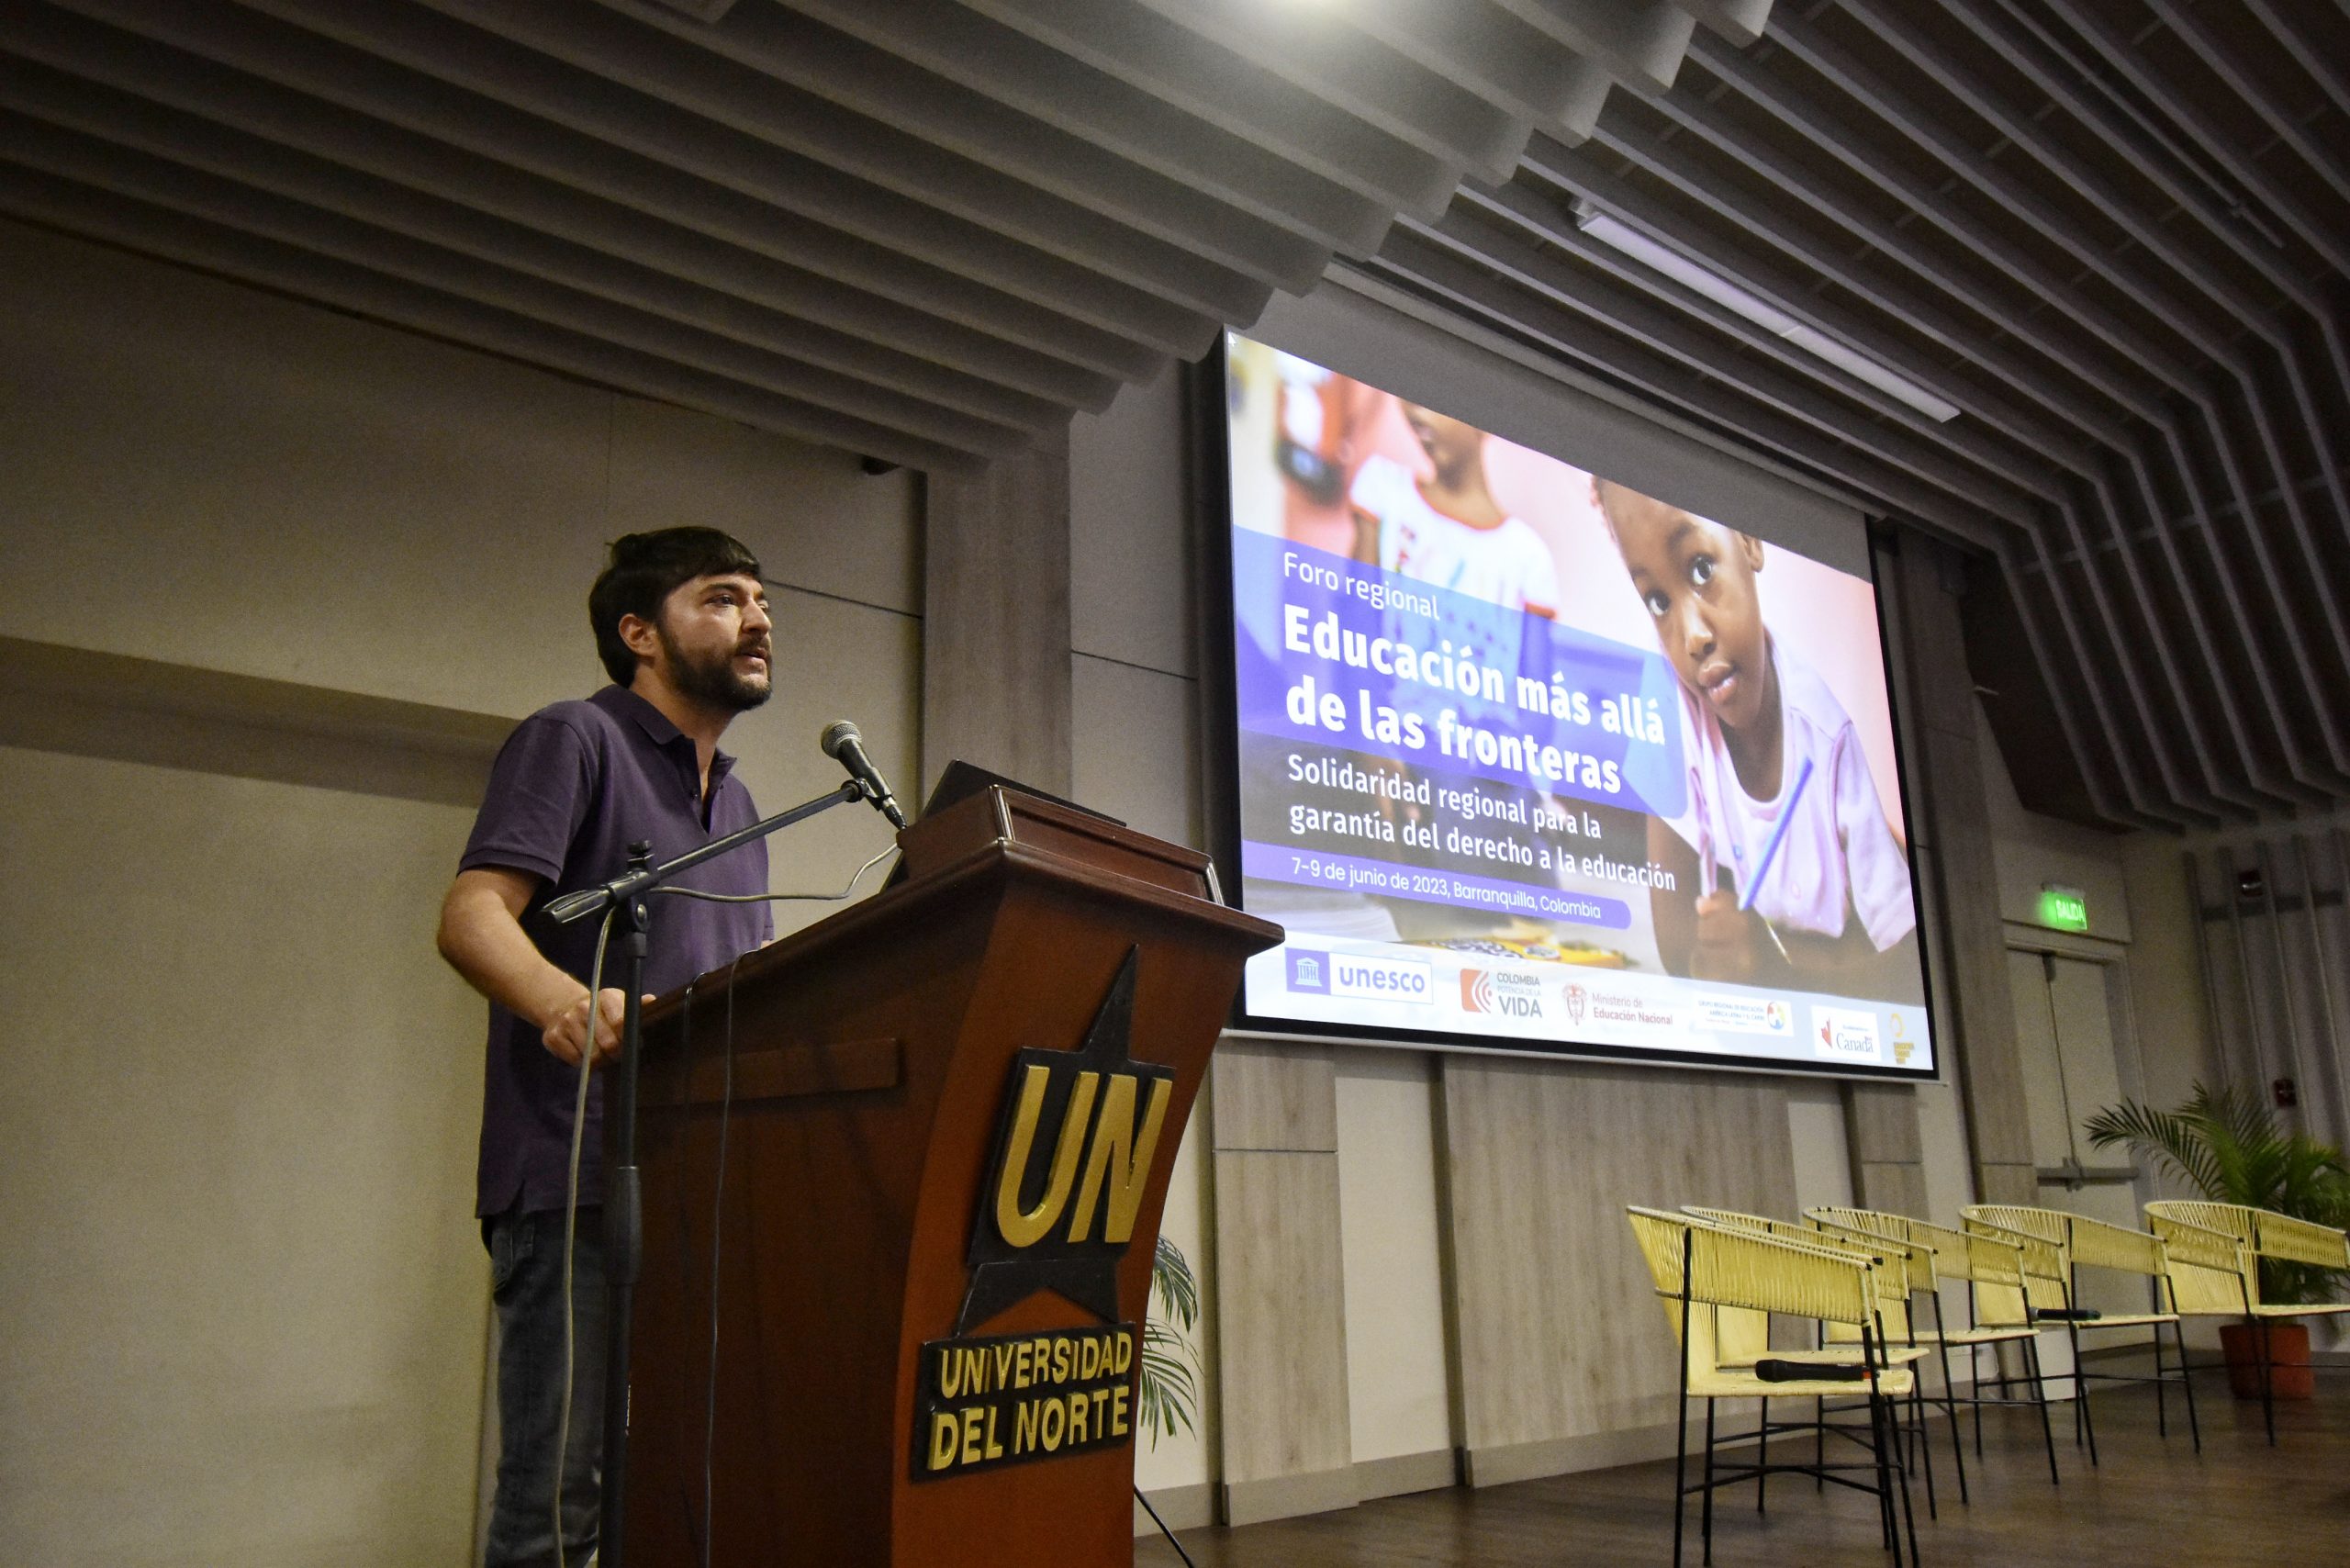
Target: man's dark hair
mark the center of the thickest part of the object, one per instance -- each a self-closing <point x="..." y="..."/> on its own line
<point x="643" y="569"/>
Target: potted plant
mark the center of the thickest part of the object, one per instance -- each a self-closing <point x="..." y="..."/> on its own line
<point x="1168" y="1397"/>
<point x="1170" y="1392"/>
<point x="2229" y="1147"/>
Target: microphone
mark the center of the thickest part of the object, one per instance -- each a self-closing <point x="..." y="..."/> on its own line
<point x="1770" y="1370"/>
<point x="844" y="745"/>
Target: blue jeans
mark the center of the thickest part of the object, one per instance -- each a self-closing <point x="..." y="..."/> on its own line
<point x="526" y="1282"/>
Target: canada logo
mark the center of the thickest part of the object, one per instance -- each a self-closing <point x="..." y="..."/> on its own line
<point x="1575" y="997"/>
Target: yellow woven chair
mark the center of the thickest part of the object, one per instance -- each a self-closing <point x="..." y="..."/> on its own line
<point x="1895" y="1341"/>
<point x="1981" y="1261"/>
<point x="1839" y="1343"/>
<point x="2051" y="1287"/>
<point x="1717" y="1283"/>
<point x="2215" y="1251"/>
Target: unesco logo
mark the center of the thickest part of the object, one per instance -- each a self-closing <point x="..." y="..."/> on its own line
<point x="1371" y="978"/>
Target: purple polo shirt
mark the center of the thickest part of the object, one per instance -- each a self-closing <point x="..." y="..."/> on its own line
<point x="574" y="785"/>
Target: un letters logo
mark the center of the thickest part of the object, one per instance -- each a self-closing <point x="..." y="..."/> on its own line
<point x="1056" y="1207"/>
<point x="1071" y="1164"/>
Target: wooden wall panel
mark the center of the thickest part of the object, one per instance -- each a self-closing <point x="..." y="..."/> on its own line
<point x="1888" y="1151"/>
<point x="1563" y="1352"/>
<point x="1275" y="1096"/>
<point x="1280" y="1284"/>
<point x="1288" y="1441"/>
<point x="996" y="679"/>
<point x="1881" y="1124"/>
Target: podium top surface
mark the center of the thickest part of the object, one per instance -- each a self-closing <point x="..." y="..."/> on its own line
<point x="1004" y="830"/>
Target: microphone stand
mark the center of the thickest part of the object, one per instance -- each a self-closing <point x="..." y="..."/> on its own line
<point x="623" y="1199"/>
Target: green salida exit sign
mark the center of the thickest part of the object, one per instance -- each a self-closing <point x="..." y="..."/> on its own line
<point x="2064" y="909"/>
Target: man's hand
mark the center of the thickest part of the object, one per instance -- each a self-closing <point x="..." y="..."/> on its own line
<point x="482" y="937"/>
<point x="1728" y="938"/>
<point x="566" y="1034"/>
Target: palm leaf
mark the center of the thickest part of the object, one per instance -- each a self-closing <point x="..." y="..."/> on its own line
<point x="2230" y="1147"/>
<point x="1168" y="1394"/>
<point x="1172" y="1283"/>
<point x="2244" y="1119"/>
<point x="2168" y="1137"/>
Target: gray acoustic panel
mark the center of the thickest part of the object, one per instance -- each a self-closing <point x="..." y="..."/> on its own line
<point x="2111" y="234"/>
<point x="925" y="229"/>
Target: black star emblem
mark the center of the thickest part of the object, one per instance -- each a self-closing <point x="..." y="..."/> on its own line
<point x="1005" y="1272"/>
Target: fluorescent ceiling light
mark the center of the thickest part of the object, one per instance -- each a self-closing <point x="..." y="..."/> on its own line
<point x="1710" y="285"/>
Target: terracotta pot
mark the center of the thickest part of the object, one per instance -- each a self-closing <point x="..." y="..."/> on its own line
<point x="2289" y="1376"/>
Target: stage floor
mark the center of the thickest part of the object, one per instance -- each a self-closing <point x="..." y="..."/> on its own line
<point x="2151" y="1502"/>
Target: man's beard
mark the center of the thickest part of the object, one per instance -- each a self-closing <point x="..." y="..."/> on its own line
<point x="712" y="680"/>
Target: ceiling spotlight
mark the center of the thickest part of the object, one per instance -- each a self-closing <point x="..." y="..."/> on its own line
<point x="1707" y="284"/>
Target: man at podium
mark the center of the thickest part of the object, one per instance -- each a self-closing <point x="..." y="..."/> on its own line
<point x="681" y="625"/>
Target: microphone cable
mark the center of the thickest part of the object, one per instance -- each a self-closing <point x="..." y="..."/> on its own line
<point x="571" y="1222"/>
<point x="717" y="1221"/>
<point x="855" y="878"/>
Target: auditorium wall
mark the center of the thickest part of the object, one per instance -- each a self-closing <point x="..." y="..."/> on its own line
<point x="2141" y="924"/>
<point x="273" y="582"/>
<point x="300" y="572"/>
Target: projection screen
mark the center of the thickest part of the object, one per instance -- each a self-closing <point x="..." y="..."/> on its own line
<point x="1524" y="759"/>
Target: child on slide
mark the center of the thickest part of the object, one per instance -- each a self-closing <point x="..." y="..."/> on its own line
<point x="1833" y="912"/>
<point x="1447" y="528"/>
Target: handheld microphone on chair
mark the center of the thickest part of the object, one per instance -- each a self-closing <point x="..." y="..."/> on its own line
<point x="1770" y="1370"/>
<point x="844" y="745"/>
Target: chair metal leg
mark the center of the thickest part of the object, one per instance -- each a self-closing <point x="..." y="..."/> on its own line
<point x="1957" y="1441"/>
<point x="2187" y="1383"/>
<point x="2162" y="1401"/>
<point x="1761" y="1455"/>
<point x="1909" y="1515"/>
<point x="1918" y="1430"/>
<point x="1887" y="1536"/>
<point x="2077" y="1440"/>
<point x="1705" y="1508"/>
<point x="2267" y="1401"/>
<point x="1680" y="1469"/>
<point x="1819" y="1444"/>
<point x="1885" y="1420"/>
<point x="2081" y="1393"/>
<point x="1974" y="1365"/>
<point x="2040" y="1397"/>
<point x="1950" y="1400"/>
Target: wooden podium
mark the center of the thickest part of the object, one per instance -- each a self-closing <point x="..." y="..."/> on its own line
<point x="948" y="1122"/>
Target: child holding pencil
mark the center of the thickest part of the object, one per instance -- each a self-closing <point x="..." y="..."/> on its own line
<point x="1797" y="878"/>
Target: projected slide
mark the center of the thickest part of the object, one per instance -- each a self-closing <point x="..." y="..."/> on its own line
<point x="1530" y="760"/>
